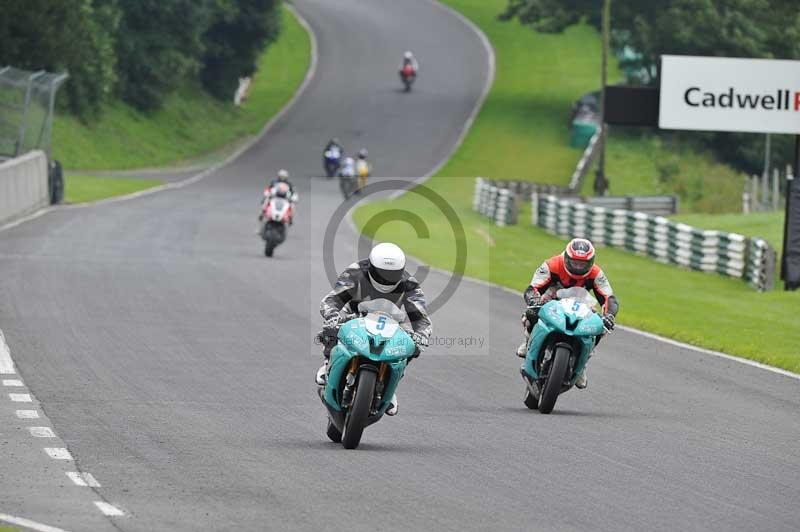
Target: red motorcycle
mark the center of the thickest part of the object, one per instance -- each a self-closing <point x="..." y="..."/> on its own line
<point x="276" y="216"/>
<point x="408" y="74"/>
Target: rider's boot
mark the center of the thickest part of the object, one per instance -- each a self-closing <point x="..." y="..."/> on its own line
<point x="581" y="382"/>
<point x="322" y="374"/>
<point x="522" y="350"/>
<point x="392" y="410"/>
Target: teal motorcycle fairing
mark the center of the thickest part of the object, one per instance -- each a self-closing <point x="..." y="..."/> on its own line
<point x="355" y="340"/>
<point x="571" y="318"/>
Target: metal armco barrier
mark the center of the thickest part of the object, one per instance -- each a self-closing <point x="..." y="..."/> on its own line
<point x="495" y="202"/>
<point x="730" y="254"/>
<point x="659" y="205"/>
<point x="23" y="185"/>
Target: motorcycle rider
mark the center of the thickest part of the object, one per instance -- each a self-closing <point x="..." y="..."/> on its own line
<point x="333" y="143"/>
<point x="282" y="177"/>
<point x="347" y="169"/>
<point x="380" y="276"/>
<point x="574" y="267"/>
<point x="363" y="168"/>
<point x="409" y="59"/>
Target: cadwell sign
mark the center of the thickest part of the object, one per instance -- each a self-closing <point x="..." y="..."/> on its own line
<point x="730" y="94"/>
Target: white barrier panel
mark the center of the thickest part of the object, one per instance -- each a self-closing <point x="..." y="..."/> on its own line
<point x="23" y="185"/>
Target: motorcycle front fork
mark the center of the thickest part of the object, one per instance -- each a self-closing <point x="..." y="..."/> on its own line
<point x="350" y="381"/>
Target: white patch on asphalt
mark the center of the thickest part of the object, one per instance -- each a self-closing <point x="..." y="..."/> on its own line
<point x="108" y="509"/>
<point x="27" y="523"/>
<point x="42" y="432"/>
<point x="12" y="382"/>
<point x="58" y="453"/>
<point x="83" y="479"/>
<point x="6" y="365"/>
<point x="21" y="397"/>
<point x="27" y="414"/>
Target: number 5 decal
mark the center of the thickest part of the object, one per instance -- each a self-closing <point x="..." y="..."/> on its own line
<point x="576" y="306"/>
<point x="381" y="323"/>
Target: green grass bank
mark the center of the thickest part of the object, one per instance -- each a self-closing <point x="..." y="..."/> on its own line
<point x="522" y="130"/>
<point x="191" y="122"/>
<point x="521" y="133"/>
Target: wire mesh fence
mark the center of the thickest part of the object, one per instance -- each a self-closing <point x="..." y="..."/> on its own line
<point x="26" y="110"/>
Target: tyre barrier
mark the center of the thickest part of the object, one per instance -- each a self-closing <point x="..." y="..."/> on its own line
<point x="729" y="254"/>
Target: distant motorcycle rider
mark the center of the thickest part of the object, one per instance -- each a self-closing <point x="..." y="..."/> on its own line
<point x="380" y="276"/>
<point x="348" y="168"/>
<point x="574" y="267"/>
<point x="333" y="143"/>
<point x="272" y="187"/>
<point x="409" y="59"/>
<point x="363" y="168"/>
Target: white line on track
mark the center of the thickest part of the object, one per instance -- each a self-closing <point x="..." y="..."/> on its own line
<point x="20" y="397"/>
<point x="703" y="350"/>
<point x="58" y="453"/>
<point x="108" y="509"/>
<point x="27" y="523"/>
<point x="12" y="382"/>
<point x="83" y="479"/>
<point x="27" y="414"/>
<point x="42" y="432"/>
<point x="6" y="365"/>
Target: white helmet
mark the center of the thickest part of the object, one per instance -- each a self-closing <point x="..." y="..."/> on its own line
<point x="387" y="263"/>
<point x="283" y="175"/>
<point x="408" y="55"/>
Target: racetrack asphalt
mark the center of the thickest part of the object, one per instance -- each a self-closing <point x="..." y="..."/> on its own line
<point x="176" y="362"/>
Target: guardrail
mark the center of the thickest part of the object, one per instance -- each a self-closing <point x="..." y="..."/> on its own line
<point x="659" y="205"/>
<point x="23" y="185"/>
<point x="495" y="202"/>
<point x="730" y="254"/>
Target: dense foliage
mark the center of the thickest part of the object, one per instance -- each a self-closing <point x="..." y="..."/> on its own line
<point x="732" y="28"/>
<point x="137" y="50"/>
<point x="237" y="34"/>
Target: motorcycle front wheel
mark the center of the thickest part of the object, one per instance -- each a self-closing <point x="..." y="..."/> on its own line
<point x="552" y="386"/>
<point x="359" y="411"/>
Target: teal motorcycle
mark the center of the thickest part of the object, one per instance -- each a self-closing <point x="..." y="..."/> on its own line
<point x="365" y="367"/>
<point x="561" y="343"/>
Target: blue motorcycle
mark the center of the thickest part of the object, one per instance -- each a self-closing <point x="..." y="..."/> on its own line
<point x="332" y="160"/>
<point x="365" y="367"/>
<point x="561" y="342"/>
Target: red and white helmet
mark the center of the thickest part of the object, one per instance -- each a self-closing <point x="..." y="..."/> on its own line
<point x="579" y="258"/>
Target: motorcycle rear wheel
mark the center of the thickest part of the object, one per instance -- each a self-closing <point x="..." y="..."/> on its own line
<point x="359" y="411"/>
<point x="552" y="386"/>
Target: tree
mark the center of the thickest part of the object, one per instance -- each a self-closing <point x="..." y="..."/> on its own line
<point x="730" y="28"/>
<point x="159" y="46"/>
<point x="239" y="32"/>
<point x="72" y="35"/>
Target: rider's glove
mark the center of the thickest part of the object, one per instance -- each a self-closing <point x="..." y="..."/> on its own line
<point x="608" y="321"/>
<point x="331" y="325"/>
<point x="420" y="340"/>
<point x="532" y="312"/>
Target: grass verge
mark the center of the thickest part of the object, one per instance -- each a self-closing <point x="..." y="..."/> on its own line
<point x="83" y="188"/>
<point x="522" y="131"/>
<point x="697" y="308"/>
<point x="191" y="122"/>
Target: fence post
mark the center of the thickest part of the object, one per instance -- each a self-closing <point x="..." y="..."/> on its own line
<point x="534" y="208"/>
<point x="754" y="205"/>
<point x="776" y="190"/>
